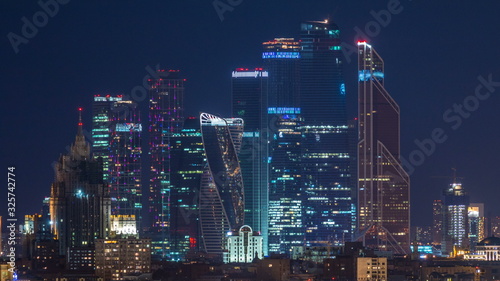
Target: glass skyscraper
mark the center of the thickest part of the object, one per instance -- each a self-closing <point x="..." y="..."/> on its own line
<point x="116" y="134"/>
<point x="249" y="102"/>
<point x="166" y="109"/>
<point x="187" y="163"/>
<point x="455" y="219"/>
<point x="221" y="196"/>
<point x="384" y="186"/>
<point x="281" y="57"/>
<point x="326" y="161"/>
<point x="286" y="220"/>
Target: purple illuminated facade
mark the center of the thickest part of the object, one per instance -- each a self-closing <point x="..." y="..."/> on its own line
<point x="116" y="136"/>
<point x="166" y="111"/>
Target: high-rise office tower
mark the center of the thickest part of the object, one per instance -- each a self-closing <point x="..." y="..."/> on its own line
<point x="187" y="163"/>
<point x="477" y="229"/>
<point x="437" y="222"/>
<point x="79" y="200"/>
<point x="166" y="108"/>
<point x="222" y="192"/>
<point x="326" y="175"/>
<point x="384" y="186"/>
<point x="455" y="219"/>
<point x="286" y="225"/>
<point x="249" y="102"/>
<point x="281" y="57"/>
<point x="116" y="134"/>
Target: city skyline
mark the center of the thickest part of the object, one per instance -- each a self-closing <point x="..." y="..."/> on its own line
<point x="62" y="115"/>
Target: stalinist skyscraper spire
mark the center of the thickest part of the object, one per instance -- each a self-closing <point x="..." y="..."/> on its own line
<point x="79" y="199"/>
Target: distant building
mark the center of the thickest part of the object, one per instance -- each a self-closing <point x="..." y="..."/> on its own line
<point x="5" y="273"/>
<point x="166" y="117"/>
<point x="81" y="259"/>
<point x="273" y="269"/>
<point x="384" y="186"/>
<point x="475" y="214"/>
<point x="187" y="162"/>
<point x="116" y="138"/>
<point x="221" y="193"/>
<point x="116" y="258"/>
<point x="244" y="246"/>
<point x="486" y="250"/>
<point x="494" y="226"/>
<point x="455" y="219"/>
<point x="371" y="268"/>
<point x="80" y="205"/>
<point x="437" y="222"/>
<point x="286" y="198"/>
<point x="325" y="159"/>
<point x="249" y="89"/>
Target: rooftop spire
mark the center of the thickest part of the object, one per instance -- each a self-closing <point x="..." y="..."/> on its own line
<point x="80" y="123"/>
<point x="80" y="148"/>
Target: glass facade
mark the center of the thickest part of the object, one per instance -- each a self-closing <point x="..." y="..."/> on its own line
<point x="384" y="186"/>
<point x="116" y="135"/>
<point x="222" y="192"/>
<point x="286" y="221"/>
<point x="187" y="163"/>
<point x="326" y="159"/>
<point x="455" y="219"/>
<point x="166" y="109"/>
<point x="249" y="102"/>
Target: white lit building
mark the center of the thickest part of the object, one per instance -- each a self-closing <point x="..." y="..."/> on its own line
<point x="124" y="225"/>
<point x="243" y="246"/>
<point x="486" y="250"/>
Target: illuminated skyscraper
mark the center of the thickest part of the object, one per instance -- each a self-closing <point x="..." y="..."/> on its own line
<point x="222" y="191"/>
<point x="326" y="176"/>
<point x="384" y="186"/>
<point x="116" y="134"/>
<point x="437" y="221"/>
<point x="79" y="199"/>
<point x="281" y="58"/>
<point x="455" y="219"/>
<point x="166" y="108"/>
<point x="286" y="219"/>
<point x="249" y="102"/>
<point x="187" y="163"/>
<point x="476" y="220"/>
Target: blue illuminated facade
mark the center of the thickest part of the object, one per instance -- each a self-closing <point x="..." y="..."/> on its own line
<point x="326" y="157"/>
<point x="249" y="102"/>
<point x="281" y="55"/>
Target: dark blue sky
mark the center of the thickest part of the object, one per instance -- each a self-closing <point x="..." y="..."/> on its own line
<point x="433" y="52"/>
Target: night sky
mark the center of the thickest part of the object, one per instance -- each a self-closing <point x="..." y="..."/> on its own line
<point x="434" y="52"/>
